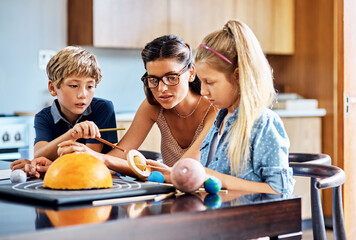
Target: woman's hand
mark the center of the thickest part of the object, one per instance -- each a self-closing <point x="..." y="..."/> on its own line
<point x="86" y="129"/>
<point x="163" y="168"/>
<point x="71" y="146"/>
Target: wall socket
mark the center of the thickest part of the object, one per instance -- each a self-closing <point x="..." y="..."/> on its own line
<point x="43" y="58"/>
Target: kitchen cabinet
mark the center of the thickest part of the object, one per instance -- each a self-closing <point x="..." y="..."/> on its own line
<point x="128" y="23"/>
<point x="152" y="141"/>
<point x="194" y="19"/>
<point x="272" y="21"/>
<point x="133" y="23"/>
<point x="116" y="23"/>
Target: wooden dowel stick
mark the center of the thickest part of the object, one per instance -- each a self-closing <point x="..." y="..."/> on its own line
<point x="155" y="197"/>
<point x="111" y="129"/>
<point x="163" y="196"/>
<point x="110" y="144"/>
<point x="124" y="200"/>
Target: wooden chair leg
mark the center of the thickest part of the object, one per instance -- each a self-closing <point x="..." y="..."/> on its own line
<point x="317" y="212"/>
<point x="338" y="215"/>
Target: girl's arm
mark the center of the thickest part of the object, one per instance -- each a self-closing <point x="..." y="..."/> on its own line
<point x="228" y="181"/>
<point x="234" y="183"/>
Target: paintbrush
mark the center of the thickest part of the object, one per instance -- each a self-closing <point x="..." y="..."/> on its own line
<point x="110" y="144"/>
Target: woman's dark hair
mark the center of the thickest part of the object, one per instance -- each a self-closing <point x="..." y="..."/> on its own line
<point x="168" y="47"/>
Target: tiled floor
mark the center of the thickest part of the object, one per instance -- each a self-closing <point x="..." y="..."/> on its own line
<point x="308" y="235"/>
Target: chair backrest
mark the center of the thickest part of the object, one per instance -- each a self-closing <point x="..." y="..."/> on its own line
<point x="323" y="175"/>
<point x="151" y="155"/>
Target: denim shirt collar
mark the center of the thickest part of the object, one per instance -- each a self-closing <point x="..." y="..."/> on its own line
<point x="57" y="116"/>
<point x="221" y="115"/>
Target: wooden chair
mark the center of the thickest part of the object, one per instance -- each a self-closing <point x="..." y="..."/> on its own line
<point x="323" y="175"/>
<point x="151" y="155"/>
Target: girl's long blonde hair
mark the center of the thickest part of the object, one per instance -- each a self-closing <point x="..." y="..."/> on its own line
<point x="237" y="42"/>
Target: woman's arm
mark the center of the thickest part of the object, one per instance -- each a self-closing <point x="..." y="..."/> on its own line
<point x="194" y="150"/>
<point x="114" y="163"/>
<point x="115" y="160"/>
<point x="141" y="125"/>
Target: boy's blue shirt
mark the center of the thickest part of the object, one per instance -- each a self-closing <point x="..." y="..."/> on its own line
<point x="50" y="124"/>
<point x="269" y="144"/>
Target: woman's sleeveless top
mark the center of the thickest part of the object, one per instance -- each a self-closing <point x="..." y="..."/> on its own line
<point x="170" y="149"/>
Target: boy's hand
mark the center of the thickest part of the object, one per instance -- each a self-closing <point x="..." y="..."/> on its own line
<point x="20" y="164"/>
<point x="86" y="129"/>
<point x="71" y="146"/>
<point x="38" y="167"/>
<point x="32" y="168"/>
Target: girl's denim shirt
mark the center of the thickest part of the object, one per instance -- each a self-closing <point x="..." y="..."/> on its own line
<point x="269" y="144"/>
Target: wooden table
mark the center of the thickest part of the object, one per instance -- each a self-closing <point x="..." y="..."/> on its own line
<point x="233" y="215"/>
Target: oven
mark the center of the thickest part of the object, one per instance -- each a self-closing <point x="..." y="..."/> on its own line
<point x="16" y="137"/>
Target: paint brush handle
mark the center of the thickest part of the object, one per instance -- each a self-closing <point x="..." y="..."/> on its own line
<point x="110" y="144"/>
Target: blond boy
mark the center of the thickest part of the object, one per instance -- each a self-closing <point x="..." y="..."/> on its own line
<point x="73" y="74"/>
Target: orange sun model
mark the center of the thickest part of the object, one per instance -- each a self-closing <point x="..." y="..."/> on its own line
<point x="77" y="171"/>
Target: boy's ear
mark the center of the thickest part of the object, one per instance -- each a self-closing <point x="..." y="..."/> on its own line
<point x="52" y="88"/>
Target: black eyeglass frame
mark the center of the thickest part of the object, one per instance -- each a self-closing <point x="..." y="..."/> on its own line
<point x="182" y="71"/>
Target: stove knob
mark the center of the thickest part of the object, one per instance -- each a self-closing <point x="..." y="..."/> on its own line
<point x="6" y="137"/>
<point x="18" y="136"/>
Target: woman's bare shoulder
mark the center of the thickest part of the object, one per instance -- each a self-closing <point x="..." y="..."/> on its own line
<point x="148" y="110"/>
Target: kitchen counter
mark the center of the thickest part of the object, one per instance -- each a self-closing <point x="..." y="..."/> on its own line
<point x="125" y="116"/>
<point x="319" y="112"/>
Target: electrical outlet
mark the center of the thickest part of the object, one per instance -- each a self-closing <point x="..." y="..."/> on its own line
<point x="43" y="58"/>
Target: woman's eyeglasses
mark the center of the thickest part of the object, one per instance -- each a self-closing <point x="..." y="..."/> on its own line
<point x="169" y="79"/>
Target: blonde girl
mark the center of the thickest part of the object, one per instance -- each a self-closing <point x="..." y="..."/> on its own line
<point x="247" y="147"/>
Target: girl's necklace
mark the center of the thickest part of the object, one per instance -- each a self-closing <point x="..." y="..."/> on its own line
<point x="190" y="114"/>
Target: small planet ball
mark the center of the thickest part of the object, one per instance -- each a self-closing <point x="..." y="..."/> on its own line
<point x="18" y="176"/>
<point x="212" y="185"/>
<point x="212" y="201"/>
<point x="187" y="175"/>
<point x="156" y="176"/>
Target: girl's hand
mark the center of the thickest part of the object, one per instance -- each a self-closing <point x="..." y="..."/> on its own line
<point x="20" y="164"/>
<point x="38" y="167"/>
<point x="71" y="146"/>
<point x="163" y="168"/>
<point x="86" y="129"/>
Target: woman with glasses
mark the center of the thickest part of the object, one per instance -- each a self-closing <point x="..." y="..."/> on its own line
<point x="173" y="101"/>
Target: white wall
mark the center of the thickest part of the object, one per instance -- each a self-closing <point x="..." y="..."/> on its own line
<point x="27" y="26"/>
